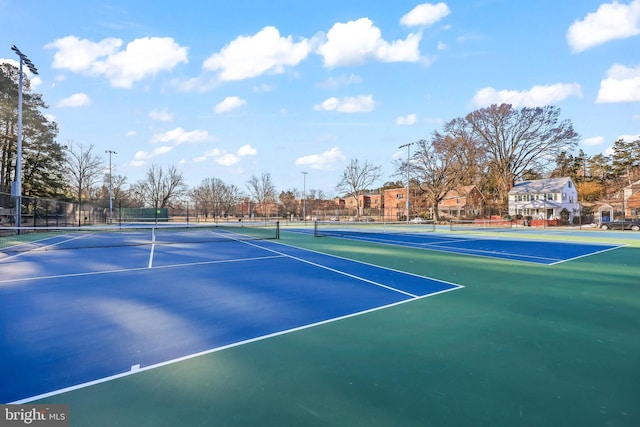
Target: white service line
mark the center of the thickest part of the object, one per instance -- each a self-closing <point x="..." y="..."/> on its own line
<point x="335" y="271"/>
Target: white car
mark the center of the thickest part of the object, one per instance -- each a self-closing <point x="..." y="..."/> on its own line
<point x="418" y="220"/>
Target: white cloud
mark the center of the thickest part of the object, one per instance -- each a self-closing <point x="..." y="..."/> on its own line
<point x="425" y="14"/>
<point x="141" y="157"/>
<point x="611" y="21"/>
<point x="359" y="104"/>
<point x="537" y="96"/>
<point x="225" y="158"/>
<point x="179" y="136"/>
<point x="406" y="120"/>
<point x="75" y="100"/>
<point x="228" y="104"/>
<point x="590" y="142"/>
<point x="621" y="85"/>
<point x="141" y="58"/>
<point x="161" y="115"/>
<point x="323" y="161"/>
<point x="79" y="55"/>
<point x="356" y="42"/>
<point x="250" y="56"/>
<point x="247" y="150"/>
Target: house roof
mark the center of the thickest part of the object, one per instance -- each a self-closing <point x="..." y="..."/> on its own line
<point x="461" y="192"/>
<point x="549" y="185"/>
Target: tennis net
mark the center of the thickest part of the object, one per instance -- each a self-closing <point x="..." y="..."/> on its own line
<point x="480" y="224"/>
<point x="21" y="239"/>
<point x="355" y="228"/>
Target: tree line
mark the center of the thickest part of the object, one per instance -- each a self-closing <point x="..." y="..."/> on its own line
<point x="496" y="146"/>
<point x="491" y="148"/>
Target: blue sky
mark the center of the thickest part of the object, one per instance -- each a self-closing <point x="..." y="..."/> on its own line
<point x="233" y="89"/>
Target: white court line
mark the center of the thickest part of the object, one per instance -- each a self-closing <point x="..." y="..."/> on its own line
<point x="42" y="248"/>
<point x="441" y="247"/>
<point x="124" y="270"/>
<point x="353" y="276"/>
<point x="153" y="247"/>
<point x="589" y="254"/>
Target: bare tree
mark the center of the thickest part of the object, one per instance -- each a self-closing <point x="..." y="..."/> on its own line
<point x="357" y="178"/>
<point x="436" y="171"/>
<point x="233" y="197"/>
<point x="83" y="169"/>
<point x="262" y="190"/>
<point x="520" y="139"/>
<point x="215" y="197"/>
<point x="465" y="150"/>
<point x="118" y="183"/>
<point x="160" y="186"/>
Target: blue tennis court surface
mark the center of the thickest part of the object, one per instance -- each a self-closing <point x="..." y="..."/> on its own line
<point x="70" y="317"/>
<point x="539" y="252"/>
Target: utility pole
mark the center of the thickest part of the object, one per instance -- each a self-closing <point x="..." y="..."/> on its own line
<point x="408" y="146"/>
<point x="110" y="152"/>
<point x="304" y="196"/>
<point x="16" y="190"/>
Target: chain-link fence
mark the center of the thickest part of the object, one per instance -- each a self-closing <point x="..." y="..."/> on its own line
<point x="36" y="211"/>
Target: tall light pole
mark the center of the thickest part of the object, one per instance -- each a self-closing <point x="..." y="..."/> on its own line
<point x="17" y="189"/>
<point x="304" y="196"/>
<point x="408" y="160"/>
<point x="110" y="152"/>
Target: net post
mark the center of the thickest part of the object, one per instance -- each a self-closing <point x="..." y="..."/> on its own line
<point x="278" y="230"/>
<point x="315" y="228"/>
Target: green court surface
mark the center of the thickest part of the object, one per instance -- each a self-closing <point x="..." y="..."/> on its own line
<point x="520" y="345"/>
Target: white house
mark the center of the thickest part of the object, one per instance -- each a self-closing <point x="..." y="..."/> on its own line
<point x="544" y="198"/>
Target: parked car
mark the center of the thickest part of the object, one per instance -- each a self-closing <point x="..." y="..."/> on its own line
<point x="618" y="224"/>
<point x="418" y="220"/>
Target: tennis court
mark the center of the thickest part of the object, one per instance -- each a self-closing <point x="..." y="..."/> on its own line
<point x="478" y="244"/>
<point x="122" y="305"/>
<point x="329" y="331"/>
